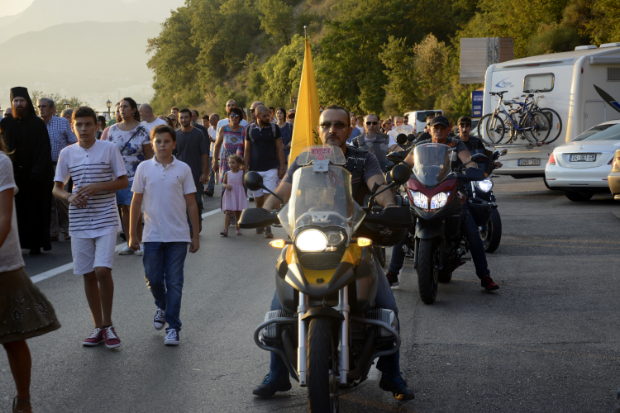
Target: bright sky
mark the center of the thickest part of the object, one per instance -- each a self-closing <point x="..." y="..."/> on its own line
<point x="10" y="7"/>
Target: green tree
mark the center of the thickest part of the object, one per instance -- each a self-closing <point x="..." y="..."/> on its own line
<point x="59" y="101"/>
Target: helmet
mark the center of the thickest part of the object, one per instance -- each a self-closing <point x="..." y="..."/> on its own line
<point x="480" y="211"/>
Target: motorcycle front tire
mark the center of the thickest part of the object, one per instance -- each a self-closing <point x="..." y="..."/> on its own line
<point x="492" y="234"/>
<point x="322" y="389"/>
<point x="428" y="273"/>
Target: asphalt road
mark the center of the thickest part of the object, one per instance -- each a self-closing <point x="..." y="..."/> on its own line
<point x="547" y="341"/>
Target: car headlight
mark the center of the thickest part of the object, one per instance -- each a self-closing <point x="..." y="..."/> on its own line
<point x="419" y="199"/>
<point x="439" y="200"/>
<point x="484" y="186"/>
<point x="311" y="240"/>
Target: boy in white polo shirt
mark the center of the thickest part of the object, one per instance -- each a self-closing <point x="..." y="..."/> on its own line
<point x="167" y="188"/>
<point x="97" y="170"/>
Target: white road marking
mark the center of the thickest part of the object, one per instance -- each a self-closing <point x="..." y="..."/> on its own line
<point x="59" y="270"/>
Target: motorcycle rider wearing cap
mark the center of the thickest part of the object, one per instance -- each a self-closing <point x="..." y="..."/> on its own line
<point x="334" y="129"/>
<point x="473" y="143"/>
<point x="440" y="127"/>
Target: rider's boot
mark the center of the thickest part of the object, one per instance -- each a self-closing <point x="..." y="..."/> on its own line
<point x="397" y="385"/>
<point x="270" y="386"/>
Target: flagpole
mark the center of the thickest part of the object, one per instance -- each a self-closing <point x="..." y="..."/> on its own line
<point x="306" y="31"/>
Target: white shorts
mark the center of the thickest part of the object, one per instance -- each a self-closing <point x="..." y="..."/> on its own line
<point x="90" y="253"/>
<point x="270" y="180"/>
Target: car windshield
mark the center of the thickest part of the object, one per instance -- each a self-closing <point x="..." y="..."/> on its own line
<point x="431" y="163"/>
<point x="609" y="132"/>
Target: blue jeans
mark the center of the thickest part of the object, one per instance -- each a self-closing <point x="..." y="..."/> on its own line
<point x="478" y="254"/>
<point x="163" y="265"/>
<point x="389" y="365"/>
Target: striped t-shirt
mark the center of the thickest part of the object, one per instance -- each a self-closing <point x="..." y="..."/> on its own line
<point x="102" y="162"/>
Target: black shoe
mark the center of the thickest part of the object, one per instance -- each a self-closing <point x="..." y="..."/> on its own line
<point x="260" y="230"/>
<point x="251" y="200"/>
<point x="398" y="387"/>
<point x="35" y="251"/>
<point x="392" y="278"/>
<point x="269" y="386"/>
<point x="268" y="233"/>
<point x="489" y="284"/>
<point x="209" y="194"/>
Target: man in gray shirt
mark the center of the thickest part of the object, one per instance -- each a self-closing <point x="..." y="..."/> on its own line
<point x="193" y="149"/>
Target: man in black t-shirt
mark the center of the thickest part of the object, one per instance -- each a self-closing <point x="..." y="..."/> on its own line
<point x="473" y="144"/>
<point x="264" y="153"/>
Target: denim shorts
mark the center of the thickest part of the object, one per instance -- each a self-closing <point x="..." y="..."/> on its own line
<point x="124" y="196"/>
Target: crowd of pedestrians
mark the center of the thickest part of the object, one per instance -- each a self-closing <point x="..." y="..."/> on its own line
<point x="143" y="175"/>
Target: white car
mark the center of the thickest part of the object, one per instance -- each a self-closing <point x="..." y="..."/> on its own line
<point x="581" y="167"/>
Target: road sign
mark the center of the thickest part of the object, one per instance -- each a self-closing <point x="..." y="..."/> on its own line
<point x="477" y="96"/>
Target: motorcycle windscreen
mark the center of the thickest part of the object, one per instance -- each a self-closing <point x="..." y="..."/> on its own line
<point x="333" y="154"/>
<point x="431" y="163"/>
<point x="322" y="199"/>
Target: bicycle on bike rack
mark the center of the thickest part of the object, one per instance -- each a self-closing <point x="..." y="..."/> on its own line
<point x="555" y="122"/>
<point x="522" y="122"/>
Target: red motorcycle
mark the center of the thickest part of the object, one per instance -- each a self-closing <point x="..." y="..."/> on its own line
<point x="436" y="199"/>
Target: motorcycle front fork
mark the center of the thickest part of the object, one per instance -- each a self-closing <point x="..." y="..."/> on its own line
<point x="343" y="337"/>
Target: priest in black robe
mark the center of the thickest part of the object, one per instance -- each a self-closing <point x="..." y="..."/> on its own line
<point x="27" y="137"/>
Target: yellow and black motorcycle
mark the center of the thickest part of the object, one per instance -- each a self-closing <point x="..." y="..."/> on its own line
<point x="329" y="331"/>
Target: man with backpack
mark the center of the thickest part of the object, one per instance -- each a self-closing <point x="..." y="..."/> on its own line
<point x="264" y="153"/>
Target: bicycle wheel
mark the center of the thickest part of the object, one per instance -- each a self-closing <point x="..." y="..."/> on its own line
<point x="535" y="126"/>
<point x="555" y="124"/>
<point x="491" y="128"/>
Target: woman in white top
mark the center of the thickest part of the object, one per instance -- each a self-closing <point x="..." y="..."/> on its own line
<point x="25" y="312"/>
<point x="134" y="143"/>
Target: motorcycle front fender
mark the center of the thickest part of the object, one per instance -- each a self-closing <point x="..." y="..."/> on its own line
<point x="429" y="230"/>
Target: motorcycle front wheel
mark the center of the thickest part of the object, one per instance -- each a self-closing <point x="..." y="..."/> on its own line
<point x="428" y="271"/>
<point x="491" y="233"/>
<point x="322" y="383"/>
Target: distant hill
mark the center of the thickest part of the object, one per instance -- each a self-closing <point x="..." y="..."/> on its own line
<point x="88" y="59"/>
<point x="46" y="13"/>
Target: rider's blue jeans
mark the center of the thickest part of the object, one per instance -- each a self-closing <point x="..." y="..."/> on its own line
<point x="476" y="247"/>
<point x="389" y="365"/>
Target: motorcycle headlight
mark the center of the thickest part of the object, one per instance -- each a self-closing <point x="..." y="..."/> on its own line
<point x="335" y="238"/>
<point x="484" y="186"/>
<point x="311" y="240"/>
<point x="419" y="199"/>
<point x="439" y="200"/>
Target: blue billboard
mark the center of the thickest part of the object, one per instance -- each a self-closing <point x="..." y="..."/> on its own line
<point x="477" y="96"/>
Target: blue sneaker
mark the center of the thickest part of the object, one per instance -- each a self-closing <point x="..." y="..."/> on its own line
<point x="398" y="387"/>
<point x="159" y="321"/>
<point x="172" y="338"/>
<point x="270" y="386"/>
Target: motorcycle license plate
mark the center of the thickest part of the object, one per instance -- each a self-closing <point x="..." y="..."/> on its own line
<point x="528" y="162"/>
<point x="583" y="157"/>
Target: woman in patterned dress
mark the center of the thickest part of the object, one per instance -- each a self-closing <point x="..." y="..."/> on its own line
<point x="230" y="141"/>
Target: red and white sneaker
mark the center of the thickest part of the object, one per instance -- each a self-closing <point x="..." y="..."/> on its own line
<point x="111" y="339"/>
<point x="94" y="339"/>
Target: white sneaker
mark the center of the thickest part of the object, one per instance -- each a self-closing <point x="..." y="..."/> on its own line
<point x="141" y="250"/>
<point x="172" y="338"/>
<point x="126" y="251"/>
<point x="160" y="319"/>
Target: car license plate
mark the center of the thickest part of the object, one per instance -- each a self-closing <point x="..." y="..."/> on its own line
<point x="583" y="157"/>
<point x="528" y="162"/>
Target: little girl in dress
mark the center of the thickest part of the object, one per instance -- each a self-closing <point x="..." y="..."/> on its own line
<point x="234" y="199"/>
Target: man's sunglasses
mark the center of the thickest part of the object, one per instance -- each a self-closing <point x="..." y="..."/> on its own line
<point x="371" y="123"/>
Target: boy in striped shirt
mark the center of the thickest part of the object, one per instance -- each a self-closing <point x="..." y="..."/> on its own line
<point x="97" y="170"/>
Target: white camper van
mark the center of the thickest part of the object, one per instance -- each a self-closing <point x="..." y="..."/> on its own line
<point x="583" y="86"/>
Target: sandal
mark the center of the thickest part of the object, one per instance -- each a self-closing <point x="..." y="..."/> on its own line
<point x="239" y="232"/>
<point x="22" y="406"/>
<point x="224" y="233"/>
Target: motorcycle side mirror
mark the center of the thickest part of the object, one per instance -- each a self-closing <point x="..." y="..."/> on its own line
<point x="257" y="218"/>
<point x="503" y="152"/>
<point x="253" y="180"/>
<point x="410" y="137"/>
<point x="400" y="174"/>
<point x="401" y="139"/>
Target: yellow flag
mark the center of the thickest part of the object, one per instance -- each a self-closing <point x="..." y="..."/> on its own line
<point x="307" y="114"/>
